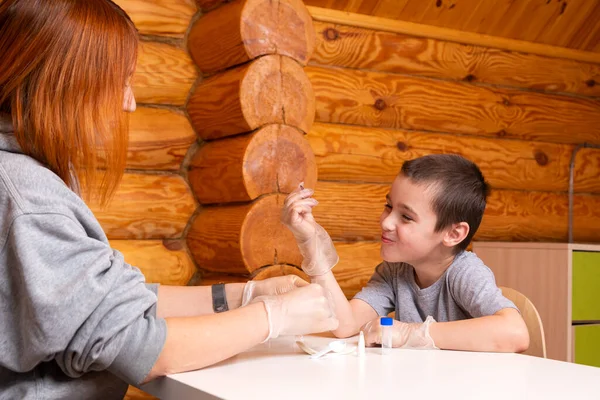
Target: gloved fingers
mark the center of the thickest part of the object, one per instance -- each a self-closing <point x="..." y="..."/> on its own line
<point x="372" y="332"/>
<point x="298" y="195"/>
<point x="297" y="282"/>
<point x="248" y="292"/>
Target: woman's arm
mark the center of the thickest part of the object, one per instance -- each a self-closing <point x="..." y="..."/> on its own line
<point x="189" y="301"/>
<point x="196" y="342"/>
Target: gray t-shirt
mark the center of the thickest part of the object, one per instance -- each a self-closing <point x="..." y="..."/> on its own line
<point x="467" y="289"/>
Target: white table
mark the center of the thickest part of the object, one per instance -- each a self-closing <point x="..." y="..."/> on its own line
<point x="280" y="370"/>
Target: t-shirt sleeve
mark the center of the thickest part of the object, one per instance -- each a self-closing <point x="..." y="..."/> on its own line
<point x="74" y="300"/>
<point x="379" y="292"/>
<point x="473" y="287"/>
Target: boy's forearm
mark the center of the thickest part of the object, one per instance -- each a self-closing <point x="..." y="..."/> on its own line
<point x="189" y="301"/>
<point x="503" y="332"/>
<point x="196" y="342"/>
<point x="343" y="309"/>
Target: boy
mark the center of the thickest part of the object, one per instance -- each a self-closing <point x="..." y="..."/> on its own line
<point x="432" y="212"/>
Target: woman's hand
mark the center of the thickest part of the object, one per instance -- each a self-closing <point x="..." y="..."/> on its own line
<point x="271" y="287"/>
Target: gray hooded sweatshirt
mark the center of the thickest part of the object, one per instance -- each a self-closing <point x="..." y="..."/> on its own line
<point x="76" y="321"/>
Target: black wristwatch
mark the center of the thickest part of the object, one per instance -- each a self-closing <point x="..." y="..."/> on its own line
<point x="219" y="299"/>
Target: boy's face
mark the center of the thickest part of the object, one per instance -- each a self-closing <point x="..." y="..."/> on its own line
<point x="408" y="223"/>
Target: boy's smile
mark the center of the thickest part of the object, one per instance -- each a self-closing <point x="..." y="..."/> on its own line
<point x="408" y="223"/>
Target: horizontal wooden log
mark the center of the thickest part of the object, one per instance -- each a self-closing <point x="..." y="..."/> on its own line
<point x="161" y="261"/>
<point x="452" y="35"/>
<point x="352" y="47"/>
<point x="360" y="154"/>
<point x="160" y="17"/>
<point x="273" y="159"/>
<point x="242" y="238"/>
<point x="350" y="212"/>
<point x="274" y="271"/>
<point x="395" y="101"/>
<point x="246" y="29"/>
<point x="270" y="90"/>
<point x="164" y="74"/>
<point x="357" y="264"/>
<point x="159" y="139"/>
<point x="147" y="207"/>
<point x="213" y="278"/>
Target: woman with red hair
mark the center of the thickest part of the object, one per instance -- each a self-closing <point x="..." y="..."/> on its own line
<point x="77" y="321"/>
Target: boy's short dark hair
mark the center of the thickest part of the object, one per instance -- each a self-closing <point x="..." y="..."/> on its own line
<point x="459" y="188"/>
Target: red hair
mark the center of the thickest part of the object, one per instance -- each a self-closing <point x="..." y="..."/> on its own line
<point x="63" y="72"/>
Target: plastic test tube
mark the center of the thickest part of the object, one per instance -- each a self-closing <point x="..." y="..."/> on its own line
<point x="386" y="334"/>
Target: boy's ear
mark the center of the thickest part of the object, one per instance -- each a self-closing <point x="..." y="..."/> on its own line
<point x="456" y="234"/>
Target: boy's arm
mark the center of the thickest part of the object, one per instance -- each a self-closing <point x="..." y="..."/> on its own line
<point x="351" y="314"/>
<point x="505" y="331"/>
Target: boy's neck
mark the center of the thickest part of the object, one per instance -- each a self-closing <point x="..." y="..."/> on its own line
<point x="428" y="272"/>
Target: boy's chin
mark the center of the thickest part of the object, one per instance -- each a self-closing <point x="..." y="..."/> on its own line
<point x="392" y="256"/>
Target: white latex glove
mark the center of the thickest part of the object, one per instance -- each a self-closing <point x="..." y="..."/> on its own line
<point x="404" y="335"/>
<point x="316" y="247"/>
<point x="302" y="311"/>
<point x="271" y="287"/>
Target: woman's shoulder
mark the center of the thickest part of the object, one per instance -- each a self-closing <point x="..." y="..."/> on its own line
<point x="30" y="187"/>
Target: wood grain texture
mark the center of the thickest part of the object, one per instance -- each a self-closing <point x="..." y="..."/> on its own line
<point x="164" y="74"/>
<point x="358" y="261"/>
<point x="239" y="239"/>
<point x="352" y="47"/>
<point x="388" y="100"/>
<point x="160" y="17"/>
<point x="273" y="159"/>
<point x="161" y="261"/>
<point x="158" y="139"/>
<point x="269" y="90"/>
<point x="274" y="271"/>
<point x="350" y="212"/>
<point x="147" y="207"/>
<point x="213" y="278"/>
<point x="360" y="154"/>
<point x="246" y="29"/>
<point x="538" y="23"/>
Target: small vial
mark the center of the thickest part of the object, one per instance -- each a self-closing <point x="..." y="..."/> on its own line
<point x="387" y="324"/>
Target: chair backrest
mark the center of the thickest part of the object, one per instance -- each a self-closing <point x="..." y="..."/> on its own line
<point x="537" y="341"/>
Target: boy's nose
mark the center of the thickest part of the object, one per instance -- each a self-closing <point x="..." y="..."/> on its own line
<point x="387" y="223"/>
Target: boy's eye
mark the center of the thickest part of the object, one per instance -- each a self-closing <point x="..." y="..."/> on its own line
<point x="388" y="206"/>
<point x="406" y="217"/>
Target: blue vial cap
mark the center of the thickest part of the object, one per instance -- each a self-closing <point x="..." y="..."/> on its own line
<point x="387" y="321"/>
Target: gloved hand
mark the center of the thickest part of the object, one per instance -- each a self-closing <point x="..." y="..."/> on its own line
<point x="271" y="287"/>
<point x="316" y="247"/>
<point x="302" y="311"/>
<point x="404" y="335"/>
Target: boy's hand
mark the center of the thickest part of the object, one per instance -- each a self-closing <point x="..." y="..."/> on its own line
<point x="271" y="287"/>
<point x="297" y="214"/>
<point x="404" y="335"/>
<point x="313" y="241"/>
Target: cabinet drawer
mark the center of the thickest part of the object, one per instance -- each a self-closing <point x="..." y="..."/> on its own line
<point x="586" y="286"/>
<point x="587" y="344"/>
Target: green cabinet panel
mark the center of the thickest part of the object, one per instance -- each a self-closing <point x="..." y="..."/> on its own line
<point x="586" y="286"/>
<point x="587" y="344"/>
